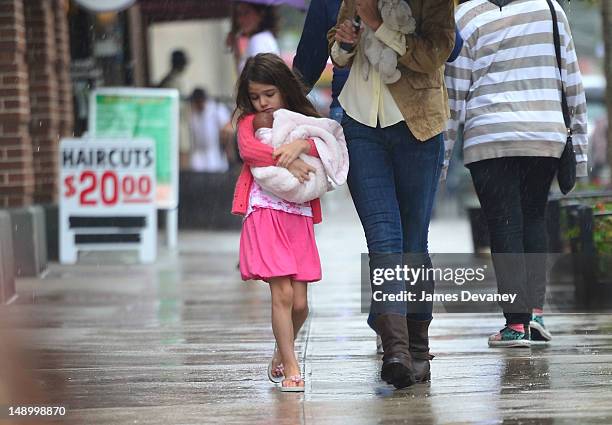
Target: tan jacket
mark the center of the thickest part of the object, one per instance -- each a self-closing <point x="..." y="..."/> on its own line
<point x="420" y="94"/>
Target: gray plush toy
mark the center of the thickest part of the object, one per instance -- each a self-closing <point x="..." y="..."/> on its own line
<point x="397" y="15"/>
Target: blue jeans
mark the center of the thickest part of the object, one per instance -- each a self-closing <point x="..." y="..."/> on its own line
<point x="393" y="178"/>
<point x="336" y="113"/>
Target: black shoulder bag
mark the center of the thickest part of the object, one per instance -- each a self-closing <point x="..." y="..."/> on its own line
<point x="566" y="175"/>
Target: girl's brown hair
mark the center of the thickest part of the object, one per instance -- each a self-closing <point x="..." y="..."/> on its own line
<point x="268" y="68"/>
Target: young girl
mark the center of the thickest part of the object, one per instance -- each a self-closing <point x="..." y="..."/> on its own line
<point x="277" y="243"/>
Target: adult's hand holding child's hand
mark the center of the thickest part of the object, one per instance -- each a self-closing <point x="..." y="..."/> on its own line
<point x="300" y="170"/>
<point x="287" y="154"/>
<point x="346" y="33"/>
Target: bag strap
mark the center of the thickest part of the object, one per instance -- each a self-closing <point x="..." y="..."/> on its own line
<point x="557" y="41"/>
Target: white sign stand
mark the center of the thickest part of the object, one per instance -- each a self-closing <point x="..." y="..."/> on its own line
<point x="107" y="197"/>
<point x="142" y="112"/>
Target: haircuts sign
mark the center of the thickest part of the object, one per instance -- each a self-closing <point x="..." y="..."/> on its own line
<point x="107" y="197"/>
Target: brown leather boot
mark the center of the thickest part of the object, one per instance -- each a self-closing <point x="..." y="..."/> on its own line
<point x="418" y="332"/>
<point x="397" y="363"/>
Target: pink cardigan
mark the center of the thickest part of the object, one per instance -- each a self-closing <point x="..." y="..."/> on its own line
<point x="254" y="153"/>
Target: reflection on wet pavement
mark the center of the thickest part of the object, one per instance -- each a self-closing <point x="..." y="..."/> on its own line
<point x="185" y="342"/>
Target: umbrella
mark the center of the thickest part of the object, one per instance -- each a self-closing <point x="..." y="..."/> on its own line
<point x="299" y="4"/>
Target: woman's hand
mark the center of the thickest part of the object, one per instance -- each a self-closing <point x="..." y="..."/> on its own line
<point x="345" y="33"/>
<point x="300" y="170"/>
<point x="288" y="153"/>
<point x="369" y="14"/>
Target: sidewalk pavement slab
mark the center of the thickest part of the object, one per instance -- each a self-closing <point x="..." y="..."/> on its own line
<point x="184" y="341"/>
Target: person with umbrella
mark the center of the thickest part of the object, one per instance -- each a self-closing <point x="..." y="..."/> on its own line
<point x="258" y="22"/>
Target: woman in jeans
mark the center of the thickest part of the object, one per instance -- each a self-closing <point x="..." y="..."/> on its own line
<point x="506" y="86"/>
<point x="395" y="146"/>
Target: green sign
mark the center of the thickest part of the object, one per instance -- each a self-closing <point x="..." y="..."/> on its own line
<point x="133" y="113"/>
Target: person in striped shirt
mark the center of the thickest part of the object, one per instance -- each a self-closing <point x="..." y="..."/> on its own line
<point x="505" y="88"/>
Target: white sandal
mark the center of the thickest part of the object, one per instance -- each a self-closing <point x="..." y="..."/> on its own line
<point x="297" y="389"/>
<point x="279" y="370"/>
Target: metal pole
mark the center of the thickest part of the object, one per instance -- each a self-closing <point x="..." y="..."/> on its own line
<point x="172" y="228"/>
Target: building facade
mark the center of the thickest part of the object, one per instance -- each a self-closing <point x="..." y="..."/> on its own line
<point x="35" y="98"/>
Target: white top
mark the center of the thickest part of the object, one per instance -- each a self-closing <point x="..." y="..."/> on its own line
<point x="261" y="198"/>
<point x="369" y="101"/>
<point x="207" y="154"/>
<point x="262" y="42"/>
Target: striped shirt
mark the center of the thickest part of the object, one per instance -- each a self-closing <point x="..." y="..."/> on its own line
<point x="505" y="84"/>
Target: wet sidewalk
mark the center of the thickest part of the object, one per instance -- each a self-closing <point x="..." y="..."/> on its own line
<point x="185" y="342"/>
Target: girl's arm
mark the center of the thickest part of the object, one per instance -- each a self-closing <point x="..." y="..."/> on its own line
<point x="289" y="152"/>
<point x="253" y="152"/>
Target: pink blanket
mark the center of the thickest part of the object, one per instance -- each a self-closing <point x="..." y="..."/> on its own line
<point x="332" y="166"/>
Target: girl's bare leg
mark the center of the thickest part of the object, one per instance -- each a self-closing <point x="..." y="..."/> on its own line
<point x="282" y="324"/>
<point x="300" y="305"/>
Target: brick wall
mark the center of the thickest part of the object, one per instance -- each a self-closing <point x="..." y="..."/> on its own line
<point x="41" y="54"/>
<point x="62" y="68"/>
<point x="16" y="171"/>
<point x="35" y="98"/>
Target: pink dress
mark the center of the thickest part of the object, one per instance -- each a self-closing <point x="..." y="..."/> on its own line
<point x="278" y="239"/>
